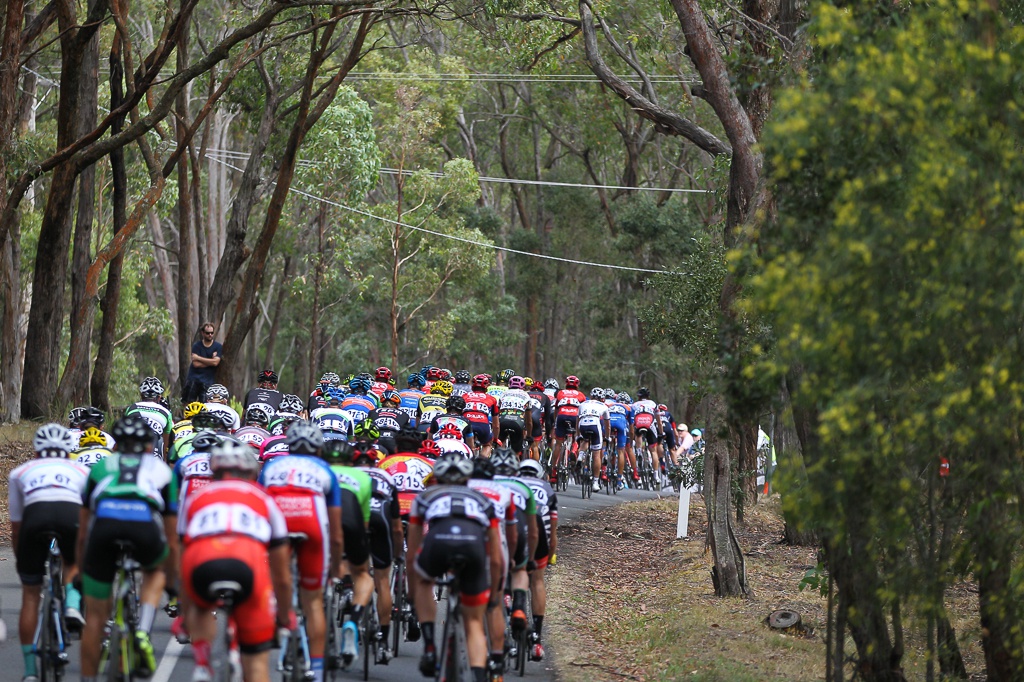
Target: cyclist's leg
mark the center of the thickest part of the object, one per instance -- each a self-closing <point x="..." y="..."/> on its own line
<point x="382" y="555"/>
<point x="476" y="639"/>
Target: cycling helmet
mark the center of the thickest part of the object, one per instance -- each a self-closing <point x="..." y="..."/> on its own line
<point x="335" y="395"/>
<point x="360" y="384"/>
<point x="430" y="448"/>
<point x="290" y="404"/>
<point x="453" y="469"/>
<point x="663" y="407"/>
<point x="551" y="383"/>
<point x="643" y="393"/>
<point x="81" y="416"/>
<point x="91" y="436"/>
<point x="367" y="429"/>
<point x="206" y="441"/>
<point x="390" y="397"/>
<point x="408" y="439"/>
<point x="217" y="392"/>
<point x="304" y="438"/>
<point x="442" y="387"/>
<point x="527" y="382"/>
<point x="462" y="376"/>
<point x="207" y="419"/>
<point x="481" y="381"/>
<point x="446" y="374"/>
<point x="230" y="455"/>
<point x="151" y="388"/>
<point x="597" y="394"/>
<point x="624" y="398"/>
<point x="338" y="452"/>
<point x="416" y="381"/>
<point x="457" y="403"/>
<point x="572" y="381"/>
<point x="53" y="440"/>
<point x="449" y="431"/>
<point x="331" y="378"/>
<point x="483" y="468"/>
<point x="257" y="416"/>
<point x="532" y="468"/>
<point x="283" y="422"/>
<point x="505" y="462"/>
<point x="696" y="432"/>
<point x="433" y="373"/>
<point x="368" y="452"/>
<point x="609" y="394"/>
<point x="133" y="434"/>
<point x="505" y="375"/>
<point x="382" y="374"/>
<point x="268" y="376"/>
<point x="516" y="382"/>
<point x="192" y="409"/>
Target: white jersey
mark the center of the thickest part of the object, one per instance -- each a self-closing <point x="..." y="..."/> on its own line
<point x="514" y="403"/>
<point x="48" y="479"/>
<point x="76" y="434"/>
<point x="454" y="445"/>
<point x="593" y="412"/>
<point x="219" y="408"/>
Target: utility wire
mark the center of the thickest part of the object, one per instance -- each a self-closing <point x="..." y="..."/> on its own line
<point x="484" y="245"/>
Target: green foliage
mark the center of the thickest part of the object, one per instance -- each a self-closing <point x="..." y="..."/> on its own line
<point x="343" y="149"/>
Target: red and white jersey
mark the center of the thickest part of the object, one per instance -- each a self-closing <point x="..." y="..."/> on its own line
<point x="550" y="393"/>
<point x="409" y="472"/>
<point x="378" y="387"/>
<point x="234" y="507"/>
<point x="191" y="474"/>
<point x="645" y="415"/>
<point x="452" y="445"/>
<point x="480" y="407"/>
<point x="568" y="401"/>
<point x="500" y="496"/>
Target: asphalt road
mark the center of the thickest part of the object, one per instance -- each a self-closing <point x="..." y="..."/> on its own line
<point x="175" y="661"/>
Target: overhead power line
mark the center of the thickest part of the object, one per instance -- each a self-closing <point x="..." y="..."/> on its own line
<point x="464" y="240"/>
<point x="508" y="78"/>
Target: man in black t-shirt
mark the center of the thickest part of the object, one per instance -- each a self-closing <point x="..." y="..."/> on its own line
<point x="206" y="355"/>
<point x="265" y="396"/>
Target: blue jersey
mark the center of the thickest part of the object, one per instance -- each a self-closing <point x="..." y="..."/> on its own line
<point x="303" y="475"/>
<point x="620" y="416"/>
<point x="410" y="403"/>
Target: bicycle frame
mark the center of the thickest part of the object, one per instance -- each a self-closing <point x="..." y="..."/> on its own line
<point x="50" y="641"/>
<point x="123" y="622"/>
<point x="295" y="660"/>
<point x="454" y="654"/>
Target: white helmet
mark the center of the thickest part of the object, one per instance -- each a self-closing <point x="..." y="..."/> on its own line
<point x="453" y="467"/>
<point x="229" y="454"/>
<point x="531" y="467"/>
<point x="53" y="440"/>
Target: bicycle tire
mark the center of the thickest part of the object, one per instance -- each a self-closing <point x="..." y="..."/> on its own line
<point x="369" y="637"/>
<point x="47" y="666"/>
<point x="398" y="622"/>
<point x="220" y="650"/>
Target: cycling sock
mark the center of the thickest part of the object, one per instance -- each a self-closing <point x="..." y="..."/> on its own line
<point x="316" y="665"/>
<point x="72" y="598"/>
<point x="201" y="653"/>
<point x="497" y="659"/>
<point x="147" y="614"/>
<point x="538" y="624"/>
<point x="357" y="614"/>
<point x="385" y="630"/>
<point x="518" y="599"/>
<point x="428" y="633"/>
<point x="479" y="674"/>
<point x="28" y="652"/>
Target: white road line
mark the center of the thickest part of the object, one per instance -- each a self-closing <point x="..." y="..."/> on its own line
<point x="168" y="661"/>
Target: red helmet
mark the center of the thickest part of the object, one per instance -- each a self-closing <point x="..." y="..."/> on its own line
<point x="430" y="449"/>
<point x="481" y="381"/>
<point x="382" y="374"/>
<point x="572" y="381"/>
<point x="663" y="408"/>
<point x="450" y="431"/>
<point x="433" y="374"/>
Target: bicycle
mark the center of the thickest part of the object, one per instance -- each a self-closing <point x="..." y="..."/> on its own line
<point x="51" y="632"/>
<point x="524" y="638"/>
<point x="225" y="660"/>
<point x="401" y="609"/>
<point x="295" y="662"/>
<point x="453" y="658"/>
<point x="336" y="603"/>
<point x="117" y="656"/>
<point x="368" y="631"/>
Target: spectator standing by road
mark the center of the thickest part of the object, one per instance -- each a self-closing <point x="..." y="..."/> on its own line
<point x="206" y="355"/>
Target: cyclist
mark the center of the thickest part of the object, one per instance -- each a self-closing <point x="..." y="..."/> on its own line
<point x="254" y="431"/>
<point x="407" y="467"/>
<point x="182" y="428"/>
<point x="620" y="420"/>
<point x="449" y="439"/>
<point x="359" y="402"/>
<point x="454" y="528"/>
<point x="593" y="423"/>
<point x="462" y="382"/>
<point x="645" y="425"/>
<point x="410" y="397"/>
<point x="506" y="466"/>
<point x="501" y="385"/>
<point x="482" y="413"/>
<point x="122" y="500"/>
<point x="505" y="509"/>
<point x="265" y="396"/>
<point x="541" y="414"/>
<point x="308" y="494"/>
<point x="532" y="474"/>
<point x="567" y="410"/>
<point x="159" y="418"/>
<point x="80" y="418"/>
<point x="430" y="374"/>
<point x="217" y="397"/>
<point x="328" y="380"/>
<point x="514" y="414"/>
<point x="433" y="404"/>
<point x="44" y="497"/>
<point x="389" y="419"/>
<point x="382" y="381"/>
<point x="334" y="422"/>
<point x="455" y="406"/>
<point x="668" y="432"/>
<point x="550" y="389"/>
<point x="92" y="447"/>
<point x="233" y="530"/>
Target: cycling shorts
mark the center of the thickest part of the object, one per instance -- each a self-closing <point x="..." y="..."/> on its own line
<point x="457" y="545"/>
<point x="245" y="561"/>
<point x="307" y="514"/>
<point x="564" y="425"/>
<point x="149" y="548"/>
<point x="538" y="425"/>
<point x="381" y="551"/>
<point x="482" y="432"/>
<point x="512" y="432"/>
<point x="357" y="544"/>
<point x="543" y="548"/>
<point x="594" y="433"/>
<point x="519" y="557"/>
<point x="621" y="432"/>
<point x="39" y="521"/>
<point x="649" y="436"/>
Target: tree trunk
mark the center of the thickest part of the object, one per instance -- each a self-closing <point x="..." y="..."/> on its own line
<point x="10" y="329"/>
<point x="183" y="313"/>
<point x="282" y="292"/>
<point x="728" y="574"/>
<point x="951" y="661"/>
<point x="318" y="274"/>
<point x="1000" y="626"/>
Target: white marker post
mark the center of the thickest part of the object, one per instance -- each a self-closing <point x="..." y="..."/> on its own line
<point x="683" y="521"/>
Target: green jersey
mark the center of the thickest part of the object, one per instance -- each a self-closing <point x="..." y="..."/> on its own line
<point x="159" y="419"/>
<point x="358" y="482"/>
<point x="522" y="494"/>
<point x="181" y="447"/>
<point x="129" y="477"/>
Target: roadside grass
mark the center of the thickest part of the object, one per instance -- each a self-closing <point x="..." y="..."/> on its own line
<point x="15" y="448"/>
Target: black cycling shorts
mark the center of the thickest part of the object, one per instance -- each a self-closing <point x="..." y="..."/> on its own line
<point x="458" y="545"/>
<point x="542" y="541"/>
<point x="39" y="522"/>
<point x="648" y="435"/>
<point x="537" y="425"/>
<point x="381" y="551"/>
<point x="564" y="425"/>
<point x="357" y="545"/>
<point x="149" y="548"/>
<point x="512" y="433"/>
<point x="388" y="443"/>
<point x="522" y="541"/>
<point x="482" y="432"/>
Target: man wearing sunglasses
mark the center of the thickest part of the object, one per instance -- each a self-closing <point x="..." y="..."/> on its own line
<point x="202" y="373"/>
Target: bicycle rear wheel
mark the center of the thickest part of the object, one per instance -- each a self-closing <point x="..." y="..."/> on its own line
<point x="369" y="627"/>
<point x="398" y="615"/>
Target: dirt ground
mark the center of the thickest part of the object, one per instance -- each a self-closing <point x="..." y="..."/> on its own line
<point x="15" y="448"/>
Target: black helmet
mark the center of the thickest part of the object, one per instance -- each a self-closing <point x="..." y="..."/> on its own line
<point x="258" y="416"/>
<point x="505" y="375"/>
<point x="80" y="417"/>
<point x="268" y="376"/>
<point x="338" y="452"/>
<point x="133" y="434"/>
<point x="643" y="393"/>
<point x="483" y="468"/>
<point x="457" y="403"/>
<point x="408" y="439"/>
<point x="505" y="462"/>
<point x="463" y="376"/>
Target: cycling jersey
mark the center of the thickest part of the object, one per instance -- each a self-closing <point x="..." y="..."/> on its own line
<point x="461" y="389"/>
<point x="567" y="402"/>
<point x="480" y="407"/>
<point x="90" y="455"/>
<point x="542" y="414"/>
<point x="252" y="435"/>
<point x="356" y="493"/>
<point x="384" y="508"/>
<point x="550" y="393"/>
<point x="358" y="482"/>
<point x="159" y="419"/>
<point x="620" y="416"/>
<point x="275" y="446"/>
<point x="232" y="507"/>
<point x="122" y="477"/>
<point x="180" y="447"/>
<point x="278" y="424"/>
<point x="454" y="445"/>
<point x="267" y="399"/>
<point x="181" y="429"/>
<point x="547" y="511"/>
<point x="191" y="474"/>
<point x="76" y="434"/>
<point x="335" y="422"/>
<point x="496" y="390"/>
<point x="377" y="388"/>
<point x="389" y="421"/>
<point x="48" y="479"/>
<point x="219" y="408"/>
<point x="526" y="506"/>
<point x="514" y="403"/>
<point x="440" y="421"/>
<point x="304" y="488"/>
<point x="430" y="406"/>
<point x="592" y="415"/>
<point x="668" y="428"/>
<point x="409" y="471"/>
<point x="410" y="403"/>
<point x="359" y="407"/>
<point x="645" y="416"/>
